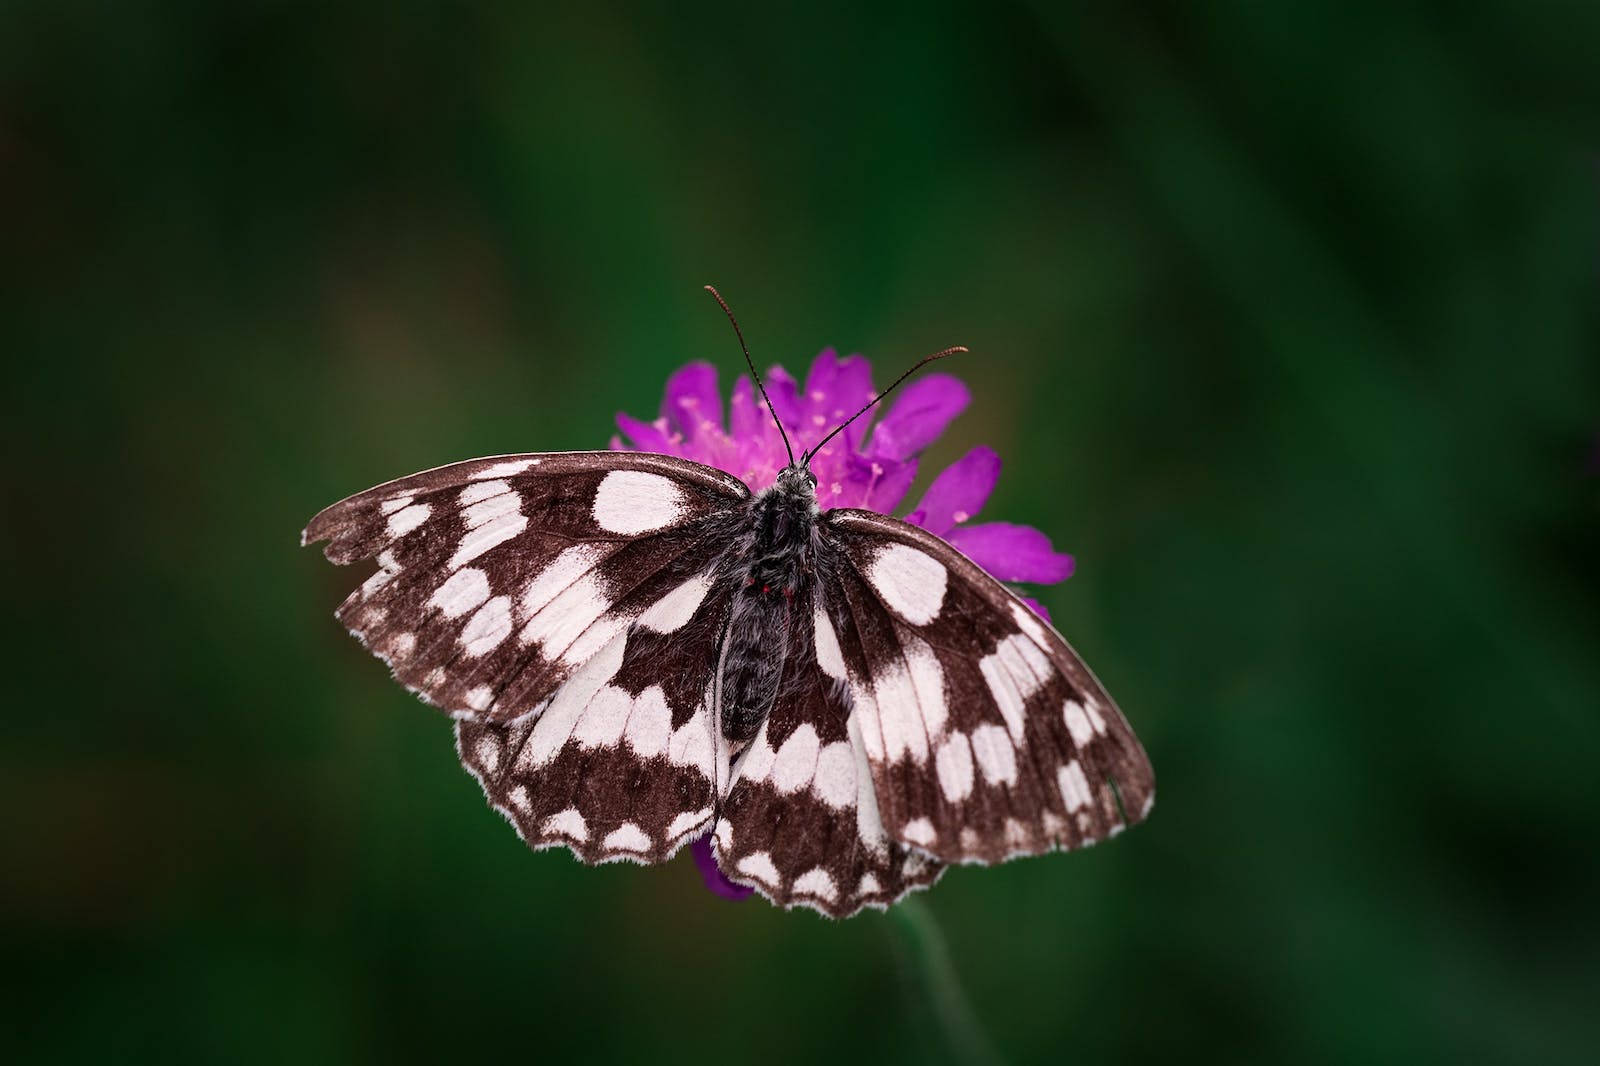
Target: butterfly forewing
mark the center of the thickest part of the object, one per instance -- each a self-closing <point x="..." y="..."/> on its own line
<point x="499" y="578"/>
<point x="987" y="736"/>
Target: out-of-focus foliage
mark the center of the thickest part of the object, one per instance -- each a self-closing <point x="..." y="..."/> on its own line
<point x="1284" y="316"/>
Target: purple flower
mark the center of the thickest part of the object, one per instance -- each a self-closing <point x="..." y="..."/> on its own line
<point x="707" y="864"/>
<point x="856" y="469"/>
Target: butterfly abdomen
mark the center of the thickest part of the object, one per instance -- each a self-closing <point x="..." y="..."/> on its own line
<point x="782" y="547"/>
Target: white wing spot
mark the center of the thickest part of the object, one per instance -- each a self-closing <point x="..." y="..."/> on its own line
<point x="604" y="719"/>
<point x="404" y="521"/>
<point x="1030" y="624"/>
<point x="1026" y="664"/>
<point x="758" y="864"/>
<point x="911" y="582"/>
<point x="899" y="716"/>
<point x="489" y="509"/>
<point x="391" y="506"/>
<point x="461" y="592"/>
<point x="864" y="711"/>
<point x="564" y="618"/>
<point x="650" y="724"/>
<point x="869" y="885"/>
<point x="488" y="753"/>
<point x="485" y="630"/>
<point x="569" y="823"/>
<point x="835" y="782"/>
<point x="954" y="763"/>
<point x="632" y="501"/>
<point x="507" y="469"/>
<point x="490" y="534"/>
<point x="796" y="763"/>
<point x="816" y="882"/>
<point x="672" y="612"/>
<point x="688" y="822"/>
<point x="402" y="645"/>
<point x="756" y="763"/>
<point x="1078" y="723"/>
<point x="1093" y="711"/>
<point x="1074" y="786"/>
<point x="554" y="727"/>
<point x="919" y="831"/>
<point x="482" y="490"/>
<point x="627" y="837"/>
<point x="519" y="798"/>
<point x="595" y="637"/>
<point x="927" y="678"/>
<point x="691" y="745"/>
<point x="1004" y="690"/>
<point x="829" y="656"/>
<point x="869" y="823"/>
<point x="563" y="570"/>
<point x="996" y="757"/>
<point x="479" y="698"/>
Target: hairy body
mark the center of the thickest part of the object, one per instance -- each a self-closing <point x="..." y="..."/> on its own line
<point x="762" y="635"/>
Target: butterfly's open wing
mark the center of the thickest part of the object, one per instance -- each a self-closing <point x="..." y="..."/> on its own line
<point x="623" y="762"/>
<point x="564" y="608"/>
<point x="801" y="821"/>
<point x="498" y="579"/>
<point x="987" y="736"/>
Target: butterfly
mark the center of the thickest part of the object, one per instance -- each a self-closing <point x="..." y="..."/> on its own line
<point x="637" y="651"/>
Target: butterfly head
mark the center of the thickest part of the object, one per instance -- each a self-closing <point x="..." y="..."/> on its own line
<point x="797" y="482"/>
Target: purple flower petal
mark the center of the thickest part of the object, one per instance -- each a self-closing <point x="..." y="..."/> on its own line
<point x="1036" y="607"/>
<point x="692" y="400"/>
<point x="836" y="389"/>
<point x="888" y="489"/>
<point x="785" y="397"/>
<point x="1012" y="553"/>
<point x="646" y="436"/>
<point x="746" y="412"/>
<point x="922" y="411"/>
<point x="959" y="492"/>
<point x="712" y="875"/>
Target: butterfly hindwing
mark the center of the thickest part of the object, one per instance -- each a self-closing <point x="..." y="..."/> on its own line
<point x="498" y="578"/>
<point x="623" y="762"/>
<point x="801" y="821"/>
<point x="987" y="736"/>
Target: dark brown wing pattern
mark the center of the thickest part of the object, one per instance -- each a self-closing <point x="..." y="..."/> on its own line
<point x="987" y="736"/>
<point x="498" y="578"/>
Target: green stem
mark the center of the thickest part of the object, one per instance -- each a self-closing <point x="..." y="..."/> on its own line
<point x="934" y="975"/>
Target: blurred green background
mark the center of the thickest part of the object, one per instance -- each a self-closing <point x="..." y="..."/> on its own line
<point x="1284" y="317"/>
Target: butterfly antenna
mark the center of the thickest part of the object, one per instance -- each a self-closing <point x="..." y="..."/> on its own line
<point x="805" y="458"/>
<point x="751" y="364"/>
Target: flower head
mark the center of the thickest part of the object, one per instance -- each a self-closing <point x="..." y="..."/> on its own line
<point x="857" y="468"/>
<point x="872" y="470"/>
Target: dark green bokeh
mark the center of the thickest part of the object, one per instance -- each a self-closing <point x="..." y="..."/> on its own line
<point x="1282" y="315"/>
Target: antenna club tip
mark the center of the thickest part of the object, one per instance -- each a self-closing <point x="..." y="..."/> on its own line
<point x="958" y="349"/>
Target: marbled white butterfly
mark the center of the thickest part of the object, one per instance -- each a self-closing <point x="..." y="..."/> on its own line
<point x="639" y="651"/>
